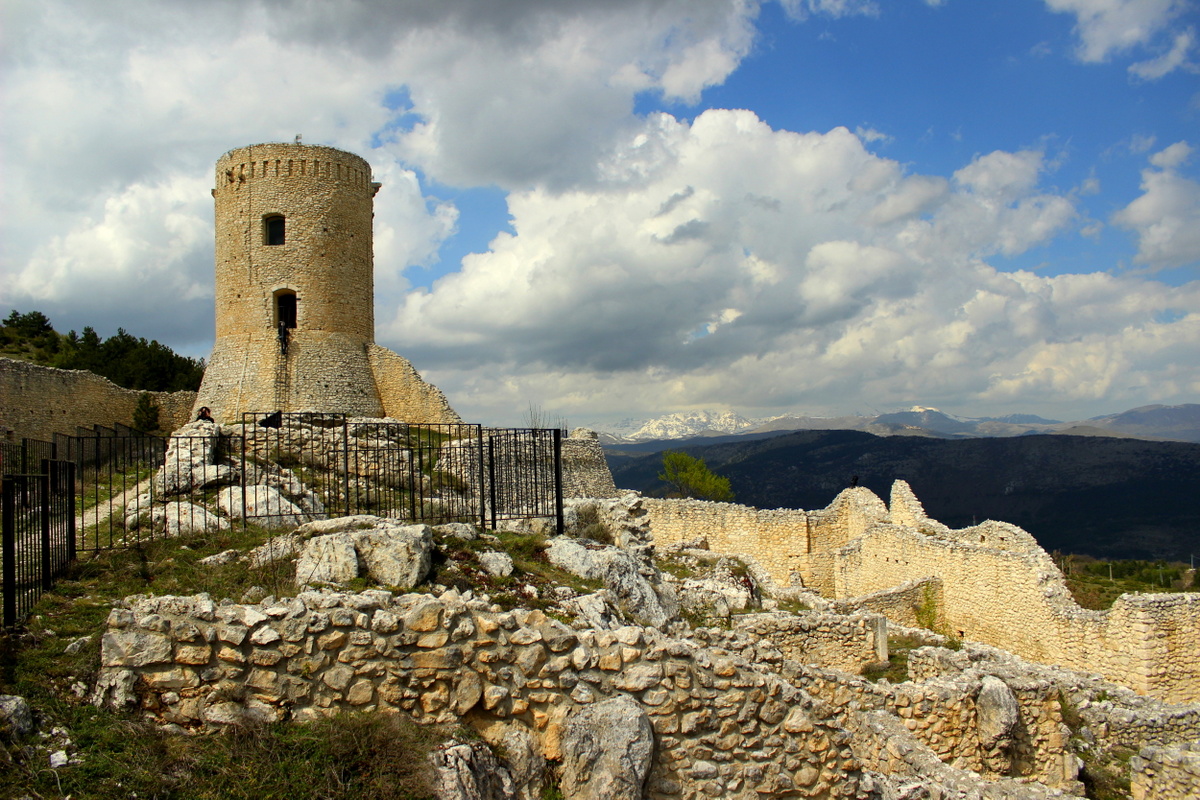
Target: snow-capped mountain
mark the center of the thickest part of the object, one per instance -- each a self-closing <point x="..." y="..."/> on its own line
<point x="685" y="424"/>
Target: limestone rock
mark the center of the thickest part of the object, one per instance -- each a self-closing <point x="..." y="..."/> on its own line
<point x="621" y="575"/>
<point x="998" y="711"/>
<point x="395" y="555"/>
<point x="499" y="565"/>
<point x="16" y="718"/>
<point x="607" y="750"/>
<point x="327" y="559"/>
<point x="470" y="771"/>
<point x="264" y="502"/>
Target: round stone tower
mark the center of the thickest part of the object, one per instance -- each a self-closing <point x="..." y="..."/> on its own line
<point x="294" y="283"/>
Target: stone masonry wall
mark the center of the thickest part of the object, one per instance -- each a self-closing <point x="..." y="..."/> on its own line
<point x="949" y="715"/>
<point x="722" y="728"/>
<point x="777" y="540"/>
<point x="37" y="402"/>
<point x="836" y="641"/>
<point x="1166" y="773"/>
<point x="403" y="393"/>
<point x="585" y="472"/>
<point x="997" y="585"/>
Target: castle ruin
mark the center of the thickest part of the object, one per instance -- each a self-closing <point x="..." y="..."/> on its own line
<point x="295" y="323"/>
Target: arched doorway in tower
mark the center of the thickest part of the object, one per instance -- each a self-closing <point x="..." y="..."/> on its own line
<point x="285" y="309"/>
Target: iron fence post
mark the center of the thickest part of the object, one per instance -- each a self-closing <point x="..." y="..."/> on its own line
<point x="346" y="463"/>
<point x="72" y="549"/>
<point x="44" y="487"/>
<point x="8" y="523"/>
<point x="559" y="522"/>
<point x="482" y="484"/>
<point x="492" y="477"/>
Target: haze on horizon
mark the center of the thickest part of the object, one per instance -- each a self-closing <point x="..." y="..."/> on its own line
<point x="625" y="208"/>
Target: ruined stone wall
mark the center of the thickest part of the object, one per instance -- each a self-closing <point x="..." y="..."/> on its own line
<point x="953" y="716"/>
<point x="404" y="395"/>
<point x="997" y="585"/>
<point x="585" y="472"/>
<point x="1017" y="600"/>
<point x="37" y="402"/>
<point x="907" y="604"/>
<point x="721" y="727"/>
<point x="845" y="642"/>
<point x="1166" y="773"/>
<point x="777" y="540"/>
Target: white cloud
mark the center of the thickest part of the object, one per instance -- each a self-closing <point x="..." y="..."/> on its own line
<point x="1109" y="27"/>
<point x="810" y="268"/>
<point x="1173" y="59"/>
<point x="1166" y="217"/>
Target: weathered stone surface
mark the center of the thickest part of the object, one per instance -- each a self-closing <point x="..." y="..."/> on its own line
<point x="498" y="564"/>
<point x="471" y="771"/>
<point x="620" y="572"/>
<point x="16" y="718"/>
<point x="607" y="749"/>
<point x="395" y="555"/>
<point x="998" y="711"/>
<point x="327" y="559"/>
<point x="266" y="503"/>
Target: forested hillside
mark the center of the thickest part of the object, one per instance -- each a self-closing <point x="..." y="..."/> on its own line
<point x="124" y="359"/>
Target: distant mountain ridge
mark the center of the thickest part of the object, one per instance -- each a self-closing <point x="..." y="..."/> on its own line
<point x="1175" y="423"/>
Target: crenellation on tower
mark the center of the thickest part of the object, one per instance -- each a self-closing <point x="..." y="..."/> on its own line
<point x="294" y="266"/>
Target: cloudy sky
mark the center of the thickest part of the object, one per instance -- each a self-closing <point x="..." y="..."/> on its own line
<point x="623" y="208"/>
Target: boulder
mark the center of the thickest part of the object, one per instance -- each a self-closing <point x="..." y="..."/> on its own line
<point x="181" y="518"/>
<point x="16" y="718"/>
<point x="607" y="750"/>
<point x="395" y="555"/>
<point x="265" y="504"/>
<point x="499" y="565"/>
<point x="327" y="559"/>
<point x="190" y="462"/>
<point x="620" y="572"/>
<point x="998" y="712"/>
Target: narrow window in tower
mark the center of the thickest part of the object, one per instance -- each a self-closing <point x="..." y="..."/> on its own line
<point x="274" y="229"/>
<point x="285" y="309"/>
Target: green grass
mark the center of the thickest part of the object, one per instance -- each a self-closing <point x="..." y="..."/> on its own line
<point x="361" y="756"/>
<point x="349" y="756"/>
<point x="895" y="669"/>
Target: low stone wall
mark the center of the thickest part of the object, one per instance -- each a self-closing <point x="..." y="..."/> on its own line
<point x="777" y="540"/>
<point x="832" y="640"/>
<point x="37" y="402"/>
<point x="953" y="716"/>
<point x="1166" y="773"/>
<point x="721" y="727"/>
<point x="908" y="604"/>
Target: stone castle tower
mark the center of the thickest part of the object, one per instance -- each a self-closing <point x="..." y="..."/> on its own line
<point x="295" y="292"/>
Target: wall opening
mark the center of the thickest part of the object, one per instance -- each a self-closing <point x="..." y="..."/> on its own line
<point x="274" y="230"/>
<point x="285" y="308"/>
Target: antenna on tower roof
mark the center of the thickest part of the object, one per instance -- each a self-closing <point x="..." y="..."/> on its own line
<point x="298" y="137"/>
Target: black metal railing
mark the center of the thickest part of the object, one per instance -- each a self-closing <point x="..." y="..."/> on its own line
<point x="125" y="488"/>
<point x="37" y="534"/>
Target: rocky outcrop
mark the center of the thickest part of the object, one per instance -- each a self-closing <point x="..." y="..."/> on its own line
<point x="607" y="750"/>
<point x="622" y="576"/>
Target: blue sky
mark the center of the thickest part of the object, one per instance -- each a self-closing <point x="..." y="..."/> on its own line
<point x="634" y="207"/>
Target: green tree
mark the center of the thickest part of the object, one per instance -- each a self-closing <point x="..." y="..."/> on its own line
<point x="691" y="477"/>
<point x="145" y="414"/>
